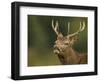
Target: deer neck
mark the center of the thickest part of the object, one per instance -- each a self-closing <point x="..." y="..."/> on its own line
<point x="69" y="56"/>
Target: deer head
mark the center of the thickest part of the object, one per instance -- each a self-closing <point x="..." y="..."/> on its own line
<point x="64" y="42"/>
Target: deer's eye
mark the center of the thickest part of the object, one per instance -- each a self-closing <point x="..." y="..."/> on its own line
<point x="66" y="43"/>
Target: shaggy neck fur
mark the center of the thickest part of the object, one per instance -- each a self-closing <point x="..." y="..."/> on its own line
<point x="69" y="57"/>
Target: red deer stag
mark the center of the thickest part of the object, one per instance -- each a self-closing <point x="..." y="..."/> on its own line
<point x="63" y="46"/>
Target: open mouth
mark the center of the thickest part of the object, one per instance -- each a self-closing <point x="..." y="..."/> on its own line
<point x="62" y="59"/>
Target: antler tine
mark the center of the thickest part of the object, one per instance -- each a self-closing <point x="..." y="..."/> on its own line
<point x="82" y="27"/>
<point x="55" y="27"/>
<point x="68" y="28"/>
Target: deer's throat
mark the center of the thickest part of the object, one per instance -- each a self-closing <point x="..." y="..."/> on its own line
<point x="68" y="57"/>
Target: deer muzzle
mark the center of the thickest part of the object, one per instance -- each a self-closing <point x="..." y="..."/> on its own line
<point x="57" y="50"/>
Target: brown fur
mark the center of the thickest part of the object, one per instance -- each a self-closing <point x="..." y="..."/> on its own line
<point x="72" y="57"/>
<point x="66" y="53"/>
<point x="63" y="46"/>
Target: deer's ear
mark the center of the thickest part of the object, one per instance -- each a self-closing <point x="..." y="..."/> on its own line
<point x="76" y="38"/>
<point x="73" y="39"/>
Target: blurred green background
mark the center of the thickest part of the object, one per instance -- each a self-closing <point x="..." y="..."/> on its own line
<point x="41" y="38"/>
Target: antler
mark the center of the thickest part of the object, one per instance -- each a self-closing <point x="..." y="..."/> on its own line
<point x="68" y="28"/>
<point x="78" y="31"/>
<point x="56" y="27"/>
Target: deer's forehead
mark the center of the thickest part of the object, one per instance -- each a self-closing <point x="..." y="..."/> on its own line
<point x="62" y="39"/>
